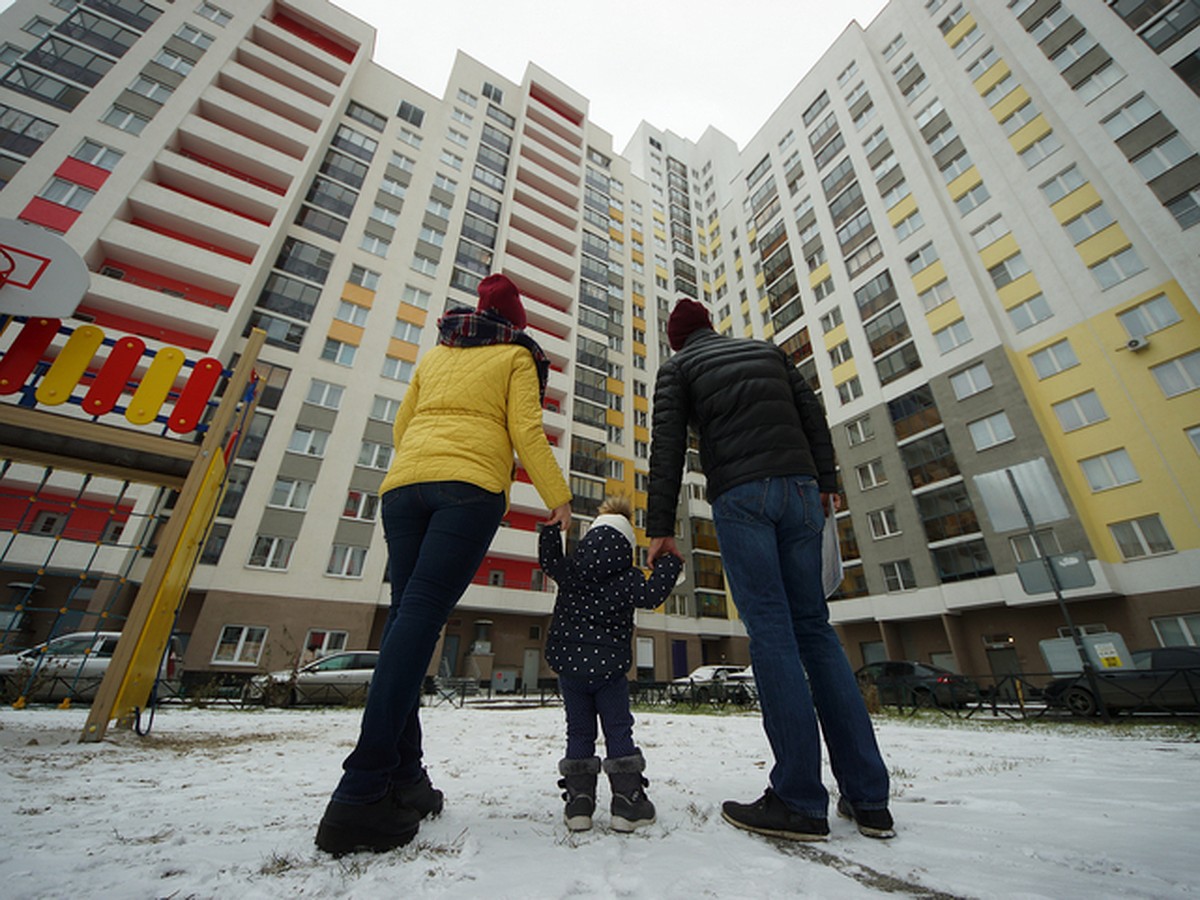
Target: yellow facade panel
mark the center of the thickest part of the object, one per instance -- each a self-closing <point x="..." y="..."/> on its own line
<point x="768" y="331"/>
<point x="844" y="372"/>
<point x="399" y="349"/>
<point x="901" y="211"/>
<point x="641" y="433"/>
<point x="929" y="276"/>
<point x="614" y="418"/>
<point x="1079" y="200"/>
<point x="748" y="331"/>
<point x="961" y="27"/>
<point x="1102" y="244"/>
<point x="641" y="403"/>
<point x="1019" y="290"/>
<point x="358" y="294"/>
<point x="992" y="77"/>
<point x="835" y="337"/>
<point x="998" y="250"/>
<point x="1010" y="104"/>
<point x="939" y="318"/>
<point x="615" y="386"/>
<point x="1033" y="130"/>
<point x="345" y="332"/>
<point x="412" y="314"/>
<point x="819" y="274"/>
<point x="964" y="182"/>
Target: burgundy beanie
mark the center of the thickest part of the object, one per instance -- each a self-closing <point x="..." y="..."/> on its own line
<point x="501" y="296"/>
<point x="686" y="317"/>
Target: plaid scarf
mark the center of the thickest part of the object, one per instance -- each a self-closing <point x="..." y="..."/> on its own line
<point x="472" y="328"/>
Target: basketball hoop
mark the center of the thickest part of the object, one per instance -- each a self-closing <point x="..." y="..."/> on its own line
<point x="40" y="273"/>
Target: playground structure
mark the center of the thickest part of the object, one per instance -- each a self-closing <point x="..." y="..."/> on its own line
<point x="112" y="407"/>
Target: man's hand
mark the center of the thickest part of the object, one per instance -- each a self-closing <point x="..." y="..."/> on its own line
<point x="828" y="500"/>
<point x="561" y="516"/>
<point x="661" y="545"/>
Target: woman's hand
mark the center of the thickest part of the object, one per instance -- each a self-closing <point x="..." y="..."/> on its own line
<point x="561" y="516"/>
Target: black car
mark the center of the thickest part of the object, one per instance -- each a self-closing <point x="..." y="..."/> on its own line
<point x="1162" y="680"/>
<point x="907" y="683"/>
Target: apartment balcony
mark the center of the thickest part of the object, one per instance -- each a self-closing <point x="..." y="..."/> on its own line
<point x="233" y="151"/>
<point x="497" y="598"/>
<point x="541" y="254"/>
<point x="565" y="217"/>
<point x="570" y="174"/>
<point x="267" y="93"/>
<point x="559" y="385"/>
<point x="559" y="323"/>
<point x="255" y="122"/>
<point x="549" y="183"/>
<point x="513" y="543"/>
<point x="533" y="222"/>
<point x="196" y="274"/>
<point x="300" y="52"/>
<point x="196" y="222"/>
<point x="558" y="349"/>
<point x="224" y="188"/>
<point x="567" y="132"/>
<point x="550" y="288"/>
<point x="535" y="130"/>
<point x="282" y="71"/>
<point x="127" y="305"/>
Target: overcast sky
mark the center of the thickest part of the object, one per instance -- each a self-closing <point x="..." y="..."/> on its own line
<point x="710" y="63"/>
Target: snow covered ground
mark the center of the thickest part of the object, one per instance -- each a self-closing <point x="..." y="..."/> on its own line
<point x="221" y="803"/>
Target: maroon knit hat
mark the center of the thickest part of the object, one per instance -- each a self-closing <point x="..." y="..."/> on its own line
<point x="686" y="317"/>
<point x="501" y="296"/>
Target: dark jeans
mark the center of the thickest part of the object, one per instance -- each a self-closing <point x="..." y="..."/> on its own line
<point x="770" y="536"/>
<point x="437" y="534"/>
<point x="609" y="701"/>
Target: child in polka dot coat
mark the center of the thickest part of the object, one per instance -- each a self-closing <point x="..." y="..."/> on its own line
<point x="589" y="647"/>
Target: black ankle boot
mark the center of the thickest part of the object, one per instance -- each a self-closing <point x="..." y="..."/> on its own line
<point x="579" y="790"/>
<point x="631" y="808"/>
<point x="382" y="825"/>
<point x="421" y="795"/>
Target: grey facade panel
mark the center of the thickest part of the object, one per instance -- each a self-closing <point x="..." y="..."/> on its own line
<point x="316" y="417"/>
<point x="1061" y="36"/>
<point x="280" y="523"/>
<point x="1138" y="140"/>
<point x="1175" y="181"/>
<point x="1086" y="66"/>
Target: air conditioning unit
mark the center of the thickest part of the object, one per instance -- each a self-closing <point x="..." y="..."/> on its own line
<point x="1137" y="343"/>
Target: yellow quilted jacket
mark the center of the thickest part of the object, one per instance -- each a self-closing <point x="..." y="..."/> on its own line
<point x="466" y="411"/>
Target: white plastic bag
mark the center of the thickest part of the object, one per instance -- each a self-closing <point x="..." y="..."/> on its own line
<point x="831" y="555"/>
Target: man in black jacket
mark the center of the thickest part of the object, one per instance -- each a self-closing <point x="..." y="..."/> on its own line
<point x="767" y="455"/>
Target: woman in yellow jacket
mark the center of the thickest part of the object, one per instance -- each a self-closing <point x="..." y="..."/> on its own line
<point x="473" y="400"/>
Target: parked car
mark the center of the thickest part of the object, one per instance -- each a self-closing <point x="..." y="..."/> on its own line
<point x="1162" y="679"/>
<point x="73" y="665"/>
<point x="335" y="679"/>
<point x="908" y="683"/>
<point x="741" y="687"/>
<point x="703" y="685"/>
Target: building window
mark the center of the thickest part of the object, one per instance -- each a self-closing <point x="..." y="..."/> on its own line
<point x="1053" y="359"/>
<point x="1088" y="223"/>
<point x="1008" y="270"/>
<point x="1185" y="208"/>
<point x="374" y="455"/>
<point x="971" y="381"/>
<point x="1178" y="376"/>
<point x="936" y="295"/>
<point x="1162" y="157"/>
<point x="339" y="352"/>
<point x="1117" y="268"/>
<point x="124" y="119"/>
<point x="346" y="561"/>
<point x="989" y="432"/>
<point x="271" y="553"/>
<point x="1024" y="549"/>
<point x="154" y="91"/>
<point x="323" y="393"/>
<point x="375" y="245"/>
<point x="1080" y="411"/>
<point x="414" y="296"/>
<point x="67" y="193"/>
<point x="352" y="313"/>
<point x="952" y="336"/>
<point x="898" y="576"/>
<point x="1029" y="313"/>
<point x="1146" y="318"/>
<point x="850" y="390"/>
<point x="972" y="199"/>
<point x="290" y="493"/>
<point x="1109" y="470"/>
<point x="364" y="278"/>
<point x="407" y="332"/>
<point x="308" y="441"/>
<point x="194" y="36"/>
<point x="397" y="369"/>
<point x="413" y="115"/>
<point x="384" y="409"/>
<point x="240" y="645"/>
<point x="859" y="431"/>
<point x="1136" y="538"/>
<point x="883" y="523"/>
<point x="361" y="505"/>
<point x="1065" y="182"/>
<point x="871" y="475"/>
<point x="1177" y="631"/>
<point x="92" y="153"/>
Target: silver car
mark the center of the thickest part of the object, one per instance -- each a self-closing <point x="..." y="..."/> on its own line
<point x="72" y="666"/>
<point x="339" y="678"/>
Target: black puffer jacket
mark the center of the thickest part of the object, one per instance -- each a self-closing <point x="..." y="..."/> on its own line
<point x="755" y="414"/>
<point x="598" y="589"/>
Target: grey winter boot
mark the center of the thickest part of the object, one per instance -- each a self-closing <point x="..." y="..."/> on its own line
<point x="579" y="790"/>
<point x="631" y="808"/>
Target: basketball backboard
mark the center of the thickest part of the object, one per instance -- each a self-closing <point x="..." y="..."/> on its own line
<point x="42" y="274"/>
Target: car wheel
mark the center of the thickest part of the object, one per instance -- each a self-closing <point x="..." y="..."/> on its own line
<point x="1080" y="701"/>
<point x="923" y="697"/>
<point x="703" y="695"/>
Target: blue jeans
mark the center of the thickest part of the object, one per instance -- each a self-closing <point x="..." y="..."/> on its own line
<point x="437" y="535"/>
<point x="609" y="700"/>
<point x="769" y="532"/>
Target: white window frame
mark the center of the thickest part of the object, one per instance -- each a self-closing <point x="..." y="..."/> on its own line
<point x="275" y="552"/>
<point x="251" y="638"/>
<point x="1106" y="471"/>
<point x="991" y="431"/>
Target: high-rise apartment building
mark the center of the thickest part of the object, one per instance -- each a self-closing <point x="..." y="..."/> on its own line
<point x="971" y="226"/>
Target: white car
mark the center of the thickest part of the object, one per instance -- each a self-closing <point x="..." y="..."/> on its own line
<point x="339" y="678"/>
<point x="705" y="684"/>
<point x="72" y="665"/>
